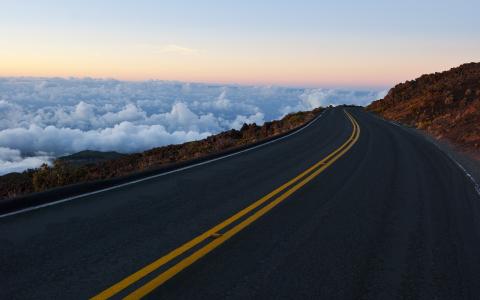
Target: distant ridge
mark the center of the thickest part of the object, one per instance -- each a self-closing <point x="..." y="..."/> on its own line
<point x="446" y="105"/>
<point x="90" y="157"/>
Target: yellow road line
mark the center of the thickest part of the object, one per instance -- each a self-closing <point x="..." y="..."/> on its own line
<point x="142" y="291"/>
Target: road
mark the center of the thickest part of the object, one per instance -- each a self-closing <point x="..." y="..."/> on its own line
<point x="380" y="214"/>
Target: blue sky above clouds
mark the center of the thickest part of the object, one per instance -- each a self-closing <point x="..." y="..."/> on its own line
<point x="342" y="43"/>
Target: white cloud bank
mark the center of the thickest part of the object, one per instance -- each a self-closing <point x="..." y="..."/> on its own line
<point x="41" y="118"/>
<point x="11" y="160"/>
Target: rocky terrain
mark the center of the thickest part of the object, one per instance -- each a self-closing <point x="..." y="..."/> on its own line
<point x="446" y="105"/>
<point x="88" y="166"/>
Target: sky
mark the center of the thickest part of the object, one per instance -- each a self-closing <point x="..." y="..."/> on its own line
<point x="336" y="44"/>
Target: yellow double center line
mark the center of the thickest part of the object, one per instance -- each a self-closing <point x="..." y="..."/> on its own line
<point x="297" y="182"/>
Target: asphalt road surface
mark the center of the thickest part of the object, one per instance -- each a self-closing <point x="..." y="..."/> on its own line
<point x="378" y="213"/>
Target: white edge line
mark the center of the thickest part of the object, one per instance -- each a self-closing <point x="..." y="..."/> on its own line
<point x="472" y="179"/>
<point x="466" y="173"/>
<point x="158" y="175"/>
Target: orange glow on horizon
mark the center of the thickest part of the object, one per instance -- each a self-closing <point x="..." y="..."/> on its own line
<point x="259" y="69"/>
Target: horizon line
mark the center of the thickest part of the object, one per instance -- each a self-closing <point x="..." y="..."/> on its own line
<point x="208" y="82"/>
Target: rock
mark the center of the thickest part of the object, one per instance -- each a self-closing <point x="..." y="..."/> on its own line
<point x="449" y="103"/>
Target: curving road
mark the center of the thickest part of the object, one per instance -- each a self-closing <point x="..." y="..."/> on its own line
<point x="379" y="213"/>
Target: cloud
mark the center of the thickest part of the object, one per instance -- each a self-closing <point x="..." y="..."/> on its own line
<point x="175" y="49"/>
<point x="11" y="160"/>
<point x="126" y="137"/>
<point x="41" y="118"/>
<point x="240" y="120"/>
<point x="324" y="97"/>
<point x="167" y="49"/>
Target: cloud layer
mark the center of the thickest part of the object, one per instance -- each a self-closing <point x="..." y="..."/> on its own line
<point x="41" y="118"/>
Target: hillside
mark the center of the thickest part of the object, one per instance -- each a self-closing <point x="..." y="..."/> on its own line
<point x="89" y="157"/>
<point x="73" y="169"/>
<point x="446" y="105"/>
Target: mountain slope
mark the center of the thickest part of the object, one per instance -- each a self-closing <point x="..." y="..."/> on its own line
<point x="446" y="105"/>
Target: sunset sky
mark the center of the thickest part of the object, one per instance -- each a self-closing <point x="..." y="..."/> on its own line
<point x="295" y="43"/>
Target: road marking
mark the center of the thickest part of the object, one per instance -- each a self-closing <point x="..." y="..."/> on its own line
<point x="158" y="175"/>
<point x="469" y="176"/>
<point x="418" y="132"/>
<point x="307" y="176"/>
